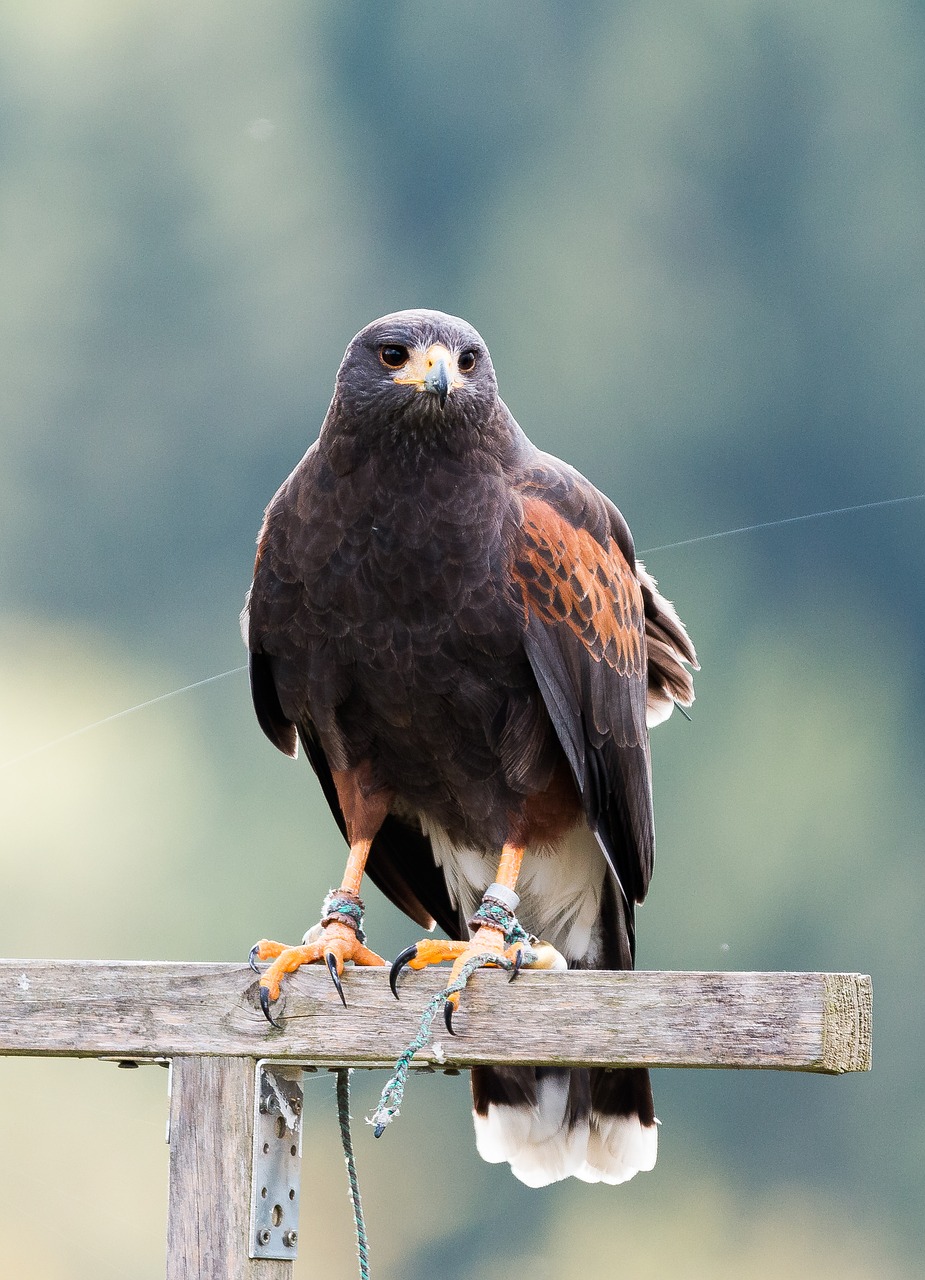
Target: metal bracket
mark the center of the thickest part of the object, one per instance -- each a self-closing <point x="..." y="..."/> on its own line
<point x="277" y="1161"/>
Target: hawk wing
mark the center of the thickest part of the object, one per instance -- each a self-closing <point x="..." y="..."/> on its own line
<point x="584" y="606"/>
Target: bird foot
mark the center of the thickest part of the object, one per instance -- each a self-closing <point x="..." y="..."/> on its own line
<point x="333" y="942"/>
<point x="486" y="948"/>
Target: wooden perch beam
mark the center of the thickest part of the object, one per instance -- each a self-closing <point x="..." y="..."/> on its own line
<point x="137" y="1010"/>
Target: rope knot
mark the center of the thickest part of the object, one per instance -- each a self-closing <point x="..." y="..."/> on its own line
<point x="345" y="908"/>
<point x="498" y="915"/>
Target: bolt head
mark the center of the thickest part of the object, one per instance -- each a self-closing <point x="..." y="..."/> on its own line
<point x="290" y="1238"/>
<point x="263" y="1236"/>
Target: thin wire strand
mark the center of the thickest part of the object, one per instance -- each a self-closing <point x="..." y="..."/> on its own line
<point x="118" y="715"/>
<point x="773" y="524"/>
<point x="647" y="551"/>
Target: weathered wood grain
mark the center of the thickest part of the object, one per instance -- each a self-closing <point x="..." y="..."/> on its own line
<point x="208" y="1212"/>
<point x="133" y="1009"/>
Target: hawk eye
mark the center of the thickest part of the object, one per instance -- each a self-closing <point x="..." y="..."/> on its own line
<point x="393" y="357"/>
<point x="466" y="361"/>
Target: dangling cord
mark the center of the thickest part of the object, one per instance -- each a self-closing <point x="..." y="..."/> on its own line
<point x="343" y="1115"/>
<point x="389" y="1105"/>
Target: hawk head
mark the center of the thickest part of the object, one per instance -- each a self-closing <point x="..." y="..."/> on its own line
<point x="415" y="373"/>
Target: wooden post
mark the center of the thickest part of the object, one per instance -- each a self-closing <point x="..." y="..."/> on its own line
<point x="211" y="1131"/>
<point x="205" y="1018"/>
<point x="132" y="1009"/>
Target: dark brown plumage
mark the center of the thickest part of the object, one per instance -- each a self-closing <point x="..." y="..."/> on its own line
<point x="455" y="626"/>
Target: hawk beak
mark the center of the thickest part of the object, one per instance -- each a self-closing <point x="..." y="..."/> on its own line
<point x="437" y="379"/>
<point x="433" y="370"/>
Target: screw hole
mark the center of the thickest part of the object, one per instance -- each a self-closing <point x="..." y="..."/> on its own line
<point x="280" y="1127"/>
<point x="276" y="1216"/>
<point x="293" y="1150"/>
<point x="291" y="1193"/>
<point x="263" y="1193"/>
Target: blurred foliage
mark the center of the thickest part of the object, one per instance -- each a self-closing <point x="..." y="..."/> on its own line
<point x="692" y="236"/>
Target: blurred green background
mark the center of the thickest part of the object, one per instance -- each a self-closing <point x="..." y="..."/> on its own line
<point x="693" y="235"/>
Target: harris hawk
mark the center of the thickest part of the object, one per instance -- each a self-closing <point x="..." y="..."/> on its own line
<point x="455" y="627"/>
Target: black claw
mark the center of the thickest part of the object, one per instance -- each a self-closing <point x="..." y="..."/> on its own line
<point x="265" y="1006"/>
<point x="251" y="959"/>
<point x="398" y="964"/>
<point x="518" y="961"/>
<point x="331" y="961"/>
<point x="448" y="1017"/>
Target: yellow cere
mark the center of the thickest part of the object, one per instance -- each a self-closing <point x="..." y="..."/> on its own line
<point x="421" y="363"/>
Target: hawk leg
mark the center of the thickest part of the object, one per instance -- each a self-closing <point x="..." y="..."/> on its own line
<point x="338" y="937"/>
<point x="498" y="940"/>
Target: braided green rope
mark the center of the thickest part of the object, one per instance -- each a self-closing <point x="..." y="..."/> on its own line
<point x="392" y="1095"/>
<point x="391" y="1098"/>
<point x="343" y="1115"/>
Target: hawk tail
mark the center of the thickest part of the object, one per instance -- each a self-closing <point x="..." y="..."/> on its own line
<point x="551" y="1123"/>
